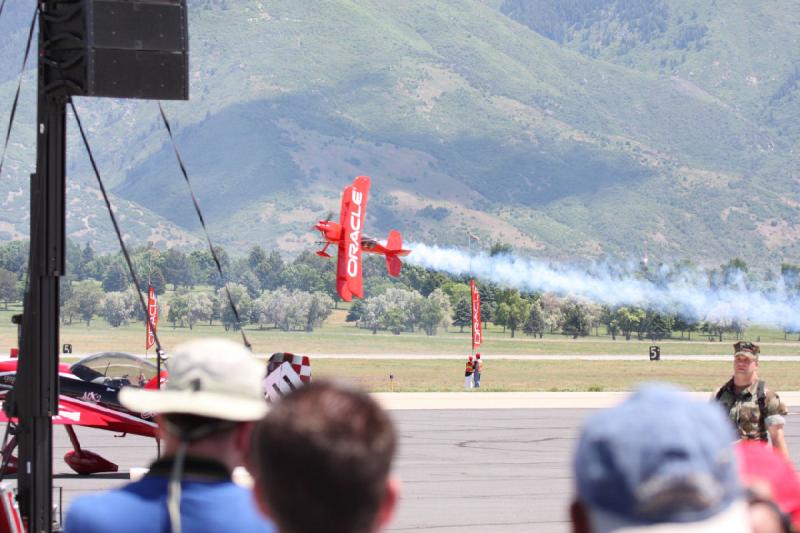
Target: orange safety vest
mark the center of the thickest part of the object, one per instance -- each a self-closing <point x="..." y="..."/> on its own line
<point x="469" y="368"/>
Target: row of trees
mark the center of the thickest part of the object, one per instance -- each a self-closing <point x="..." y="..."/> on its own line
<point x="259" y="270"/>
<point x="576" y="318"/>
<point x="399" y="310"/>
<point x="298" y="294"/>
<point x="396" y="310"/>
<point x="284" y="309"/>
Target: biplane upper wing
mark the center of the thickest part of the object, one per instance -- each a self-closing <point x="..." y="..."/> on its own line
<point x="349" y="274"/>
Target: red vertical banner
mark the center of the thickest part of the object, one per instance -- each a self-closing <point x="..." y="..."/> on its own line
<point x="152" y="317"/>
<point x="477" y="330"/>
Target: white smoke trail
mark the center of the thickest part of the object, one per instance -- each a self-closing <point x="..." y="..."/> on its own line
<point x="685" y="292"/>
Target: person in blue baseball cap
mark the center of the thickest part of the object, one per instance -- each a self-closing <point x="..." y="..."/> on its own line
<point x="662" y="462"/>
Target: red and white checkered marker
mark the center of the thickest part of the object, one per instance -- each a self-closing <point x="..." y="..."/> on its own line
<point x="285" y="373"/>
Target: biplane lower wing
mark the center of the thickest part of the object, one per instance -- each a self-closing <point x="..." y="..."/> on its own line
<point x="72" y="411"/>
<point x="89" y="398"/>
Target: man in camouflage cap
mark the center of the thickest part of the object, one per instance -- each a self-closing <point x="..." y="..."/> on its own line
<point x="755" y="410"/>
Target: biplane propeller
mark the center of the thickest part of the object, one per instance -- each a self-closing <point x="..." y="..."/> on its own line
<point x="347" y="236"/>
<point x="323" y="243"/>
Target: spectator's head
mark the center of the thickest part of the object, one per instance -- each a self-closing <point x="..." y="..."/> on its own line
<point x="745" y="358"/>
<point x="773" y="487"/>
<point x="321" y="460"/>
<point x="214" y="386"/>
<point x="478" y="355"/>
<point x="660" y="461"/>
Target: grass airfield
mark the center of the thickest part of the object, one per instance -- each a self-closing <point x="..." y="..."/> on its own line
<point x="434" y="374"/>
<point x="547" y="376"/>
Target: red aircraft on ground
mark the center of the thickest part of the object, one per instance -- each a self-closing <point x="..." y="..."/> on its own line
<point x="89" y="398"/>
<point x="89" y="390"/>
<point x="347" y="235"/>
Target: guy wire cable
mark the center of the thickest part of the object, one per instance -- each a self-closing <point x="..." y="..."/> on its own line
<point x="10" y="402"/>
<point x="203" y="224"/>
<point x="3" y="4"/>
<point x="114" y="221"/>
<point x="19" y="84"/>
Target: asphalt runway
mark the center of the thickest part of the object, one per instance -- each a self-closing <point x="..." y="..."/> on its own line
<point x="474" y="470"/>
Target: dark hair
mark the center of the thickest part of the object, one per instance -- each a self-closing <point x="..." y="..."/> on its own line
<point x="194" y="427"/>
<point x="784" y="518"/>
<point x="322" y="457"/>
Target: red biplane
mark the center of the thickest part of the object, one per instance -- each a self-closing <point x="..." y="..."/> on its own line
<point x="347" y="235"/>
<point x="88" y="398"/>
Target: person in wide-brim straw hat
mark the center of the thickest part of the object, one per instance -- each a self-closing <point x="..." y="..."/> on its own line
<point x="214" y="378"/>
<point x="205" y="414"/>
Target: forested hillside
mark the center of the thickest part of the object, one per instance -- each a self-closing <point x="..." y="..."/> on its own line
<point x="574" y="129"/>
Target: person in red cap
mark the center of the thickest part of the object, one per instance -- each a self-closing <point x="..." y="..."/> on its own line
<point x="773" y="486"/>
<point x="468" y="383"/>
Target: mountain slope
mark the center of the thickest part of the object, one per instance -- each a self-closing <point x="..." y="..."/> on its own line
<point x="611" y="127"/>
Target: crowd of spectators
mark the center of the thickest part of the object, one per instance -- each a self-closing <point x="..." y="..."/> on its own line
<point x="664" y="462"/>
<point x="321" y="459"/>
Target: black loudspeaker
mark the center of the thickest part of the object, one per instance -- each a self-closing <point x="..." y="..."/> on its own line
<point x="116" y="48"/>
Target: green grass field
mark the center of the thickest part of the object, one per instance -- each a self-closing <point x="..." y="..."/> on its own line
<point x="339" y="337"/>
<point x="554" y="376"/>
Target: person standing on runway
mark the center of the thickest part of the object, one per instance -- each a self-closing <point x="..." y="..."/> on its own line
<point x="477" y="368"/>
<point x="468" y="383"/>
<point x="756" y="411"/>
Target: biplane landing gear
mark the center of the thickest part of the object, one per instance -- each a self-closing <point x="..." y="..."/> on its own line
<point x="323" y="252"/>
<point x="85" y="462"/>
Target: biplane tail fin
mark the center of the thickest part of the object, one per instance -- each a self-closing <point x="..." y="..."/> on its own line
<point x="394" y="249"/>
<point x="393" y="265"/>
<point x="395" y="241"/>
